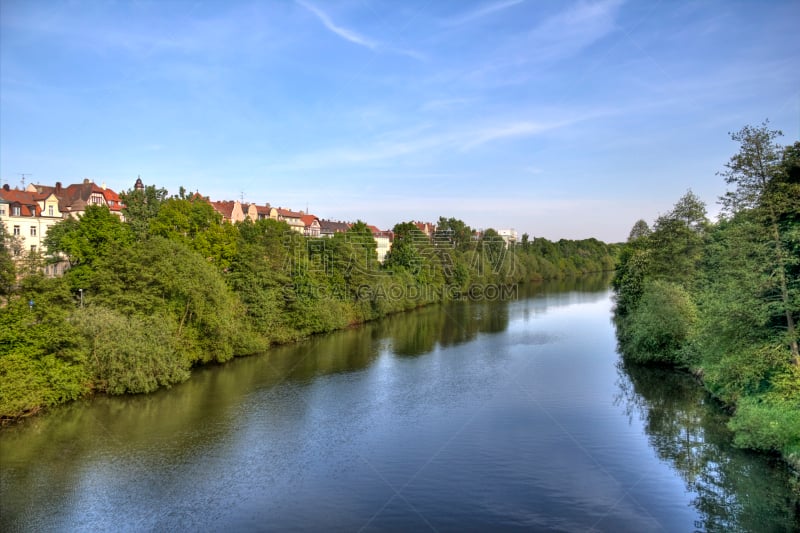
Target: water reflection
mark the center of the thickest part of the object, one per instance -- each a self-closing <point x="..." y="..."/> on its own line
<point x="310" y="433"/>
<point x="734" y="490"/>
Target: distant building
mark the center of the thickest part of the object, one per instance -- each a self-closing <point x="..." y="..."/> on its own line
<point x="509" y="236"/>
<point x="293" y="218"/>
<point x="231" y="210"/>
<point x="73" y="199"/>
<point x="29" y="214"/>
<point x="327" y="228"/>
<point x="383" y="241"/>
<point x="311" y="226"/>
<point x="426" y="227"/>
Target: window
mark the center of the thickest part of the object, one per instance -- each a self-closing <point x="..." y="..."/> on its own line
<point x="33" y="248"/>
<point x="49" y="210"/>
<point x="17" y="231"/>
<point x="2" y="211"/>
<point x="33" y="231"/>
<point x="15" y="210"/>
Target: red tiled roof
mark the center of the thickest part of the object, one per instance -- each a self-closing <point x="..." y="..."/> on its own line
<point x="224" y="208"/>
<point x="309" y="219"/>
<point x="112" y="199"/>
<point x="25" y="200"/>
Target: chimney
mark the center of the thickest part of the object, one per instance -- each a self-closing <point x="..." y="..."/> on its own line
<point x="58" y="187"/>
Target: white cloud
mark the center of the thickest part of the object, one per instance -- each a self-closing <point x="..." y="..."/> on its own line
<point x="575" y="28"/>
<point x="482" y="11"/>
<point x="344" y="33"/>
<point x="504" y="131"/>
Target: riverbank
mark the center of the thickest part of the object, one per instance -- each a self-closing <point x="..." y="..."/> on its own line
<point x="314" y="435"/>
<point x="131" y="353"/>
<point x="722" y="299"/>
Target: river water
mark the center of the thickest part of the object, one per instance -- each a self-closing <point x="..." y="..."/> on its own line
<point x="467" y="417"/>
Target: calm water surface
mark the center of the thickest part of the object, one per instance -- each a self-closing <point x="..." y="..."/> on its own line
<point x="479" y="416"/>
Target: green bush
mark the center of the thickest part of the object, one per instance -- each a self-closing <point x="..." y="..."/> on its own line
<point x="27" y="384"/>
<point x="743" y="371"/>
<point x="131" y="354"/>
<point x="764" y="424"/>
<point x="659" y="327"/>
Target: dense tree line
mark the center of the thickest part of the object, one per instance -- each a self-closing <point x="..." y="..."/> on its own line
<point x="145" y="300"/>
<point x="723" y="299"/>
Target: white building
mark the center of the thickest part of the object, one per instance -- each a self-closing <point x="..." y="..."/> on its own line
<point x="509" y="236"/>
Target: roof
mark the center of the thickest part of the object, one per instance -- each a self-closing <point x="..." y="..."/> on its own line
<point x="287" y="213"/>
<point x="309" y="219"/>
<point x="330" y="226"/>
<point x="76" y="196"/>
<point x="112" y="199"/>
<point x="224" y="208"/>
<point x="26" y="200"/>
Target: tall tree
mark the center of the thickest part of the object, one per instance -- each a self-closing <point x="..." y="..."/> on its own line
<point x="640" y="229"/>
<point x="141" y="206"/>
<point x="756" y="173"/>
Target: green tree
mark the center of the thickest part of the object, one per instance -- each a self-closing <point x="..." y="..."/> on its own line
<point x="762" y="185"/>
<point x="640" y="229"/>
<point x="454" y="231"/>
<point x="141" y="206"/>
<point x="676" y="243"/>
<point x="8" y="274"/>
<point x="95" y="235"/>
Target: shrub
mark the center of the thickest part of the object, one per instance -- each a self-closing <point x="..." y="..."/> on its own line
<point x="657" y="330"/>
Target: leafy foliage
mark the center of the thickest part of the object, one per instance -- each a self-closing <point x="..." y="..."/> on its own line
<point x="173" y="286"/>
<point x="723" y="299"/>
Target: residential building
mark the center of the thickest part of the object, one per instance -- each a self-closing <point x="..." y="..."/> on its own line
<point x="426" y="227"/>
<point x="312" y="226"/>
<point x="73" y="199"/>
<point x="27" y="216"/>
<point x="509" y="236"/>
<point x="293" y="218"/>
<point x="231" y="211"/>
<point x="383" y="241"/>
<point x="327" y="228"/>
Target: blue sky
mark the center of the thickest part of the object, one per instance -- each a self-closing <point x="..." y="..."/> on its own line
<point x="559" y="119"/>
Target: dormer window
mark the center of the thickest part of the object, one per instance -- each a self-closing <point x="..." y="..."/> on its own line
<point x="49" y="210"/>
<point x="97" y="199"/>
<point x="16" y="210"/>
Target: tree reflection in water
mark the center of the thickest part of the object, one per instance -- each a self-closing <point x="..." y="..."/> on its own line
<point x="686" y="428"/>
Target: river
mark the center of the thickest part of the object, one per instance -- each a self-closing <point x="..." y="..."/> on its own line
<point x="464" y="417"/>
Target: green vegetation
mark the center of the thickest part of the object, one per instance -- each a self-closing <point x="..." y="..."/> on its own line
<point x="173" y="287"/>
<point x="723" y="299"/>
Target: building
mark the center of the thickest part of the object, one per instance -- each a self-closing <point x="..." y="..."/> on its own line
<point x="383" y="241"/>
<point x="312" y="226"/>
<point x="293" y="218"/>
<point x="426" y="227"/>
<point x="73" y="199"/>
<point x="509" y="236"/>
<point x="327" y="228"/>
<point x="230" y="210"/>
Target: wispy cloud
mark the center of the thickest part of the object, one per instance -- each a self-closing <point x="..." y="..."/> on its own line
<point x="482" y="11"/>
<point x="505" y="131"/>
<point x="344" y="33"/>
<point x="575" y="28"/>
